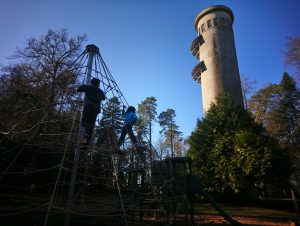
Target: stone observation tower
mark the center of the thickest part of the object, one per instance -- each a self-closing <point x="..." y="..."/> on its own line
<point x="214" y="47"/>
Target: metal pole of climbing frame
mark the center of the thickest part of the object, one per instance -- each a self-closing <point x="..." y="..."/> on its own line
<point x="91" y="51"/>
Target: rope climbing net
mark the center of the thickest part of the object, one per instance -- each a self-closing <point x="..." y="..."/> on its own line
<point x="47" y="178"/>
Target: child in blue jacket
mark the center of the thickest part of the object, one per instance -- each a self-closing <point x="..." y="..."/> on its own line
<point x="130" y="118"/>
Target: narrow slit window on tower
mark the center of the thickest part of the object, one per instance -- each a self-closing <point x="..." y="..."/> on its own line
<point x="202" y="27"/>
<point x="228" y="23"/>
<point x="223" y="22"/>
<point x="208" y="23"/>
<point x="215" y="22"/>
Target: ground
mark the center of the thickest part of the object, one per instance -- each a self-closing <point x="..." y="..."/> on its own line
<point x="218" y="220"/>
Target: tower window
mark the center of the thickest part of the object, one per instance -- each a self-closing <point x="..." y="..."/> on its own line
<point x="215" y="22"/>
<point x="228" y="23"/>
<point x="208" y="23"/>
<point x="223" y="22"/>
<point x="202" y="27"/>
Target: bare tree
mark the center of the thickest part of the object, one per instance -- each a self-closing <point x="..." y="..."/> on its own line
<point x="41" y="77"/>
<point x="248" y="87"/>
<point x="38" y="102"/>
<point x="292" y="53"/>
<point x="160" y="147"/>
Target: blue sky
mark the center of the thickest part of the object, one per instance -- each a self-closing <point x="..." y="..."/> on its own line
<point x="146" y="43"/>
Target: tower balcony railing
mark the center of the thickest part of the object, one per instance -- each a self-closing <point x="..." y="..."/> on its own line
<point x="197" y="42"/>
<point x="198" y="70"/>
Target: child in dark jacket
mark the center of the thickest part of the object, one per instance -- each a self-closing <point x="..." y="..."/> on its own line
<point x="93" y="97"/>
<point x="130" y="118"/>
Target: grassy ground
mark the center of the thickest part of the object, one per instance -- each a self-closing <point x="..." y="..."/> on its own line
<point x="206" y="214"/>
<point x="245" y="211"/>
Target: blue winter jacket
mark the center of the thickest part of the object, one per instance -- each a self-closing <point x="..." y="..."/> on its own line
<point x="130" y="118"/>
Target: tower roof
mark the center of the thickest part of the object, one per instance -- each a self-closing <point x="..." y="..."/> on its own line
<point x="211" y="9"/>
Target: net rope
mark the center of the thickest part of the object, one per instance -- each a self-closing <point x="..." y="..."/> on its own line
<point x="118" y="194"/>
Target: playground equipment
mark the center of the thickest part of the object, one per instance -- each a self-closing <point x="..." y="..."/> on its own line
<point x="94" y="186"/>
<point x="174" y="177"/>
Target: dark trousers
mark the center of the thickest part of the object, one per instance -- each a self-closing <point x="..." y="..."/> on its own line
<point x="89" y="116"/>
<point x="127" y="129"/>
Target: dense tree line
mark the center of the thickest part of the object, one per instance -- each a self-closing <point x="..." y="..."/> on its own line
<point x="277" y="108"/>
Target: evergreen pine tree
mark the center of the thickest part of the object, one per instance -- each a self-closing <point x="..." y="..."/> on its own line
<point x="170" y="130"/>
<point x="106" y="137"/>
<point x="147" y="115"/>
<point x="232" y="153"/>
<point x="110" y="124"/>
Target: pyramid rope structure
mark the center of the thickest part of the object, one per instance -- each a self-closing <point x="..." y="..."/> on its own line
<point x="70" y="192"/>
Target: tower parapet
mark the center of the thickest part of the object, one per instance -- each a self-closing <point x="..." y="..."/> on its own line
<point x="215" y="48"/>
